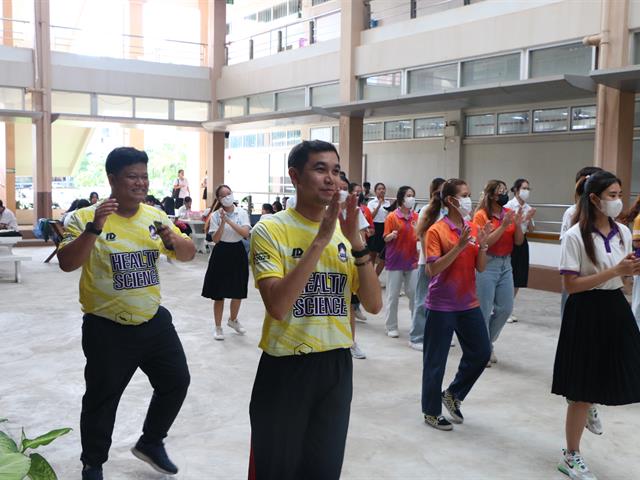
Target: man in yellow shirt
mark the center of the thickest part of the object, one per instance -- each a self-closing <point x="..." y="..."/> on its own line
<point x="117" y="243"/>
<point x="306" y="270"/>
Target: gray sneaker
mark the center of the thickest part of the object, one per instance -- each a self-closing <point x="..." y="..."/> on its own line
<point x="356" y="352"/>
<point x="572" y="465"/>
<point x="237" y="326"/>
<point x="439" y="423"/>
<point x="452" y="404"/>
<point x="594" y="425"/>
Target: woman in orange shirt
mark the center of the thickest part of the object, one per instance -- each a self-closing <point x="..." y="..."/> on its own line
<point x="495" y="283"/>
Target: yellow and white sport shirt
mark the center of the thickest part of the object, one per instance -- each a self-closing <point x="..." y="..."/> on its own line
<point x="120" y="280"/>
<point x="319" y="320"/>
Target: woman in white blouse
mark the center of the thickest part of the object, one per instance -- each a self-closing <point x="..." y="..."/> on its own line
<point x="228" y="271"/>
<point x="520" y="255"/>
<point x="598" y="351"/>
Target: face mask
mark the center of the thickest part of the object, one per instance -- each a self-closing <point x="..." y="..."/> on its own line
<point x="291" y="202"/>
<point x="343" y="196"/>
<point x="409" y="202"/>
<point x="611" y="208"/>
<point x="227" y="201"/>
<point x="524" y="195"/>
<point x="503" y="198"/>
<point x="465" y="206"/>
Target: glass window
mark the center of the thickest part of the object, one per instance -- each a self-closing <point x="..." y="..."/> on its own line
<point x="372" y="132"/>
<point x="70" y="102"/>
<point x="636" y="48"/>
<point x="478" y="125"/>
<point x="294" y="137"/>
<point x="233" y="107"/>
<point x="290" y="100"/>
<point x="191" y="111"/>
<point x="510" y="123"/>
<point x="279" y="139"/>
<point x="552" y="120"/>
<point x="491" y="70"/>
<point x="335" y="134"/>
<point x="325" y="94"/>
<point x="434" y="79"/>
<point x="636" y="116"/>
<point x="380" y="86"/>
<point x="574" y="58"/>
<point x="583" y="118"/>
<point x="398" y="129"/>
<point x="260" y="103"/>
<point x="429" y="127"/>
<point x="152" y="108"/>
<point x="320" y="133"/>
<point x="115" y="106"/>
<point x="11" y="98"/>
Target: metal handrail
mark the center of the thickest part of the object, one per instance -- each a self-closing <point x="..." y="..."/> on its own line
<point x="21" y="36"/>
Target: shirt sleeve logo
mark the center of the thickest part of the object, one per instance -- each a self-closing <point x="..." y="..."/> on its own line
<point x="297" y="253"/>
<point x="153" y="232"/>
<point x="342" y="252"/>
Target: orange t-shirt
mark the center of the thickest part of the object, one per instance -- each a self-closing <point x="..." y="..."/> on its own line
<point x="504" y="245"/>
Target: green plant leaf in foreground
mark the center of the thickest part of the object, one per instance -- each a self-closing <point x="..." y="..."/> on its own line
<point x="45" y="439"/>
<point x="13" y="466"/>
<point x="4" y="420"/>
<point x="7" y="445"/>
<point x="40" y="468"/>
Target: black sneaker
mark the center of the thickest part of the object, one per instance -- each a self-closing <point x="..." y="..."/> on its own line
<point x="156" y="456"/>
<point x="453" y="406"/>
<point x="439" y="423"/>
<point x="91" y="473"/>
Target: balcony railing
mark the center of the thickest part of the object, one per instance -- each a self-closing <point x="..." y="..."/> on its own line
<point x="386" y="12"/>
<point x="115" y="45"/>
<point x="289" y="37"/>
<point x="16" y="33"/>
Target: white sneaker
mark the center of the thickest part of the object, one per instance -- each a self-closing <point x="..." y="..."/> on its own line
<point x="218" y="334"/>
<point x="235" y="324"/>
<point x="512" y="319"/>
<point x="594" y="425"/>
<point x="493" y="359"/>
<point x="393" y="333"/>
<point x="417" y="346"/>
<point x="359" y="316"/>
<point x="356" y="352"/>
<point x="572" y="465"/>
<point x="453" y="342"/>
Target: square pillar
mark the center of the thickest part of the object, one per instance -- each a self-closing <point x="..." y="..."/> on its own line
<point x="350" y="147"/>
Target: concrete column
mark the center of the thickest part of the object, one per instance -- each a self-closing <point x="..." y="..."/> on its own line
<point x="352" y="22"/>
<point x="136" y="138"/>
<point x="216" y="35"/>
<point x="8" y="169"/>
<point x="614" y="127"/>
<point x="7" y="25"/>
<point x="136" y="29"/>
<point x="42" y="170"/>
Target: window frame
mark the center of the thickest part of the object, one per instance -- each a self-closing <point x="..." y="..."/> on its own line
<point x="511" y="112"/>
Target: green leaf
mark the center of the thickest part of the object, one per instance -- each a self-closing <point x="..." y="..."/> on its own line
<point x="13" y="466"/>
<point x="40" y="468"/>
<point x="4" y="420"/>
<point x="7" y="445"/>
<point x="45" y="439"/>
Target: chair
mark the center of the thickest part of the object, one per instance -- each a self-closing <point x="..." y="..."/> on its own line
<point x="57" y="233"/>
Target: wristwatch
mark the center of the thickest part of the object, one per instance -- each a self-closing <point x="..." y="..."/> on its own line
<point x="91" y="228"/>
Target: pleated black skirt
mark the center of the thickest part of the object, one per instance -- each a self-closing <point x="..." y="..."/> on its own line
<point x="520" y="264"/>
<point x="228" y="272"/>
<point x="598" y="353"/>
<point x="376" y="241"/>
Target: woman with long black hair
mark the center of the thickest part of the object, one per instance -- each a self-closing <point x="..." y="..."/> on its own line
<point x="598" y="350"/>
<point x="228" y="271"/>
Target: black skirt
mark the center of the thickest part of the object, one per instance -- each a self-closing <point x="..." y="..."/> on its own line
<point x="520" y="264"/>
<point x="598" y="353"/>
<point x="376" y="241"/>
<point x="228" y="272"/>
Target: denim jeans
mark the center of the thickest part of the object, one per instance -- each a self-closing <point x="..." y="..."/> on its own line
<point x="495" y="293"/>
<point x="476" y="351"/>
<point x="395" y="280"/>
<point x="419" y="314"/>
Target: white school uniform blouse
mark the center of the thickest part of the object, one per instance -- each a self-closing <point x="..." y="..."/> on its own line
<point x="239" y="216"/>
<point x="381" y="216"/>
<point x="514" y="205"/>
<point x="566" y="220"/>
<point x="609" y="252"/>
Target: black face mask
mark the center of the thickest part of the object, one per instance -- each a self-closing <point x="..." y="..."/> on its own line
<point x="503" y="198"/>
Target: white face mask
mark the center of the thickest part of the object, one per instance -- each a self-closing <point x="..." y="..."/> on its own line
<point x="409" y="202"/>
<point x="524" y="195"/>
<point x="343" y="196"/>
<point x="465" y="206"/>
<point x="291" y="202"/>
<point x="227" y="201"/>
<point x="611" y="208"/>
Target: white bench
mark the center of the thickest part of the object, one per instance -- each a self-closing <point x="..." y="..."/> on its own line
<point x="199" y="240"/>
<point x="17" y="260"/>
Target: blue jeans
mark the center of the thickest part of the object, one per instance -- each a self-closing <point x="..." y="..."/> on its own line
<point x="495" y="293"/>
<point x="419" y="314"/>
<point x="476" y="351"/>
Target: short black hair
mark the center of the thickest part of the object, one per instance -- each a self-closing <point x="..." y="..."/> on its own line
<point x="299" y="155"/>
<point x="1" y="204"/>
<point x="584" y="171"/>
<point x="187" y="199"/>
<point x="366" y="185"/>
<point x="268" y="207"/>
<point x="122" y="157"/>
<point x="94" y="193"/>
<point x="82" y="203"/>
